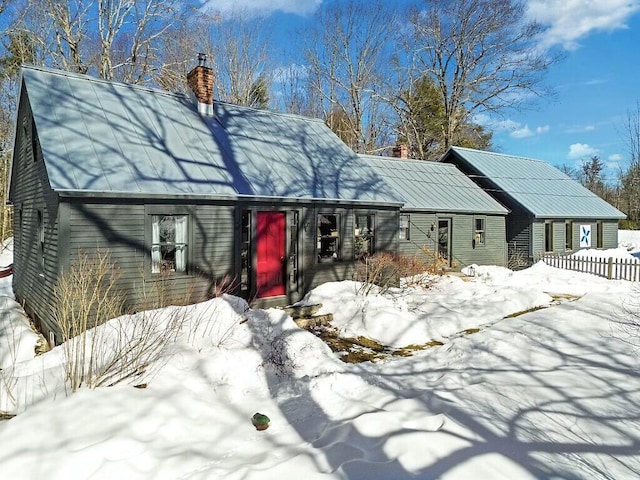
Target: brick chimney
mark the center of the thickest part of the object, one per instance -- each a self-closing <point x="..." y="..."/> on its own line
<point x="200" y="80"/>
<point x="400" y="151"/>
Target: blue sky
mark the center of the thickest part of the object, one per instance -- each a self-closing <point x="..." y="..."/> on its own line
<point x="597" y="83"/>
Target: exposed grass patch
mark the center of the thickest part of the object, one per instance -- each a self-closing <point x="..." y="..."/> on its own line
<point x="362" y="349"/>
<point x="413" y="348"/>
<point x="6" y="416"/>
<point x="529" y="310"/>
<point x="563" y="297"/>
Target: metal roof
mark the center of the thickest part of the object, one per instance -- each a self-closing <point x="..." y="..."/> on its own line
<point x="432" y="186"/>
<point x="536" y="185"/>
<point x="116" y="139"/>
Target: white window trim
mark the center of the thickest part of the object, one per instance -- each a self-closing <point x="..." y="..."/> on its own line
<point x="405" y="230"/>
<point x="483" y="232"/>
<point x="181" y="243"/>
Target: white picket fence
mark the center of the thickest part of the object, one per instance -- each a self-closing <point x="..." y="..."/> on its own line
<point x="611" y="268"/>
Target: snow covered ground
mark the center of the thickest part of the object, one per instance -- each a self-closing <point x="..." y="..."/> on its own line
<point x="547" y="388"/>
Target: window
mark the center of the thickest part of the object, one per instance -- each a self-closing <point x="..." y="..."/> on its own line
<point x="405" y="227"/>
<point x="568" y="236"/>
<point x="364" y="240"/>
<point x="328" y="237"/>
<point x="548" y="237"/>
<point x="41" y="240"/>
<point x="479" y="233"/>
<point x="168" y="243"/>
<point x="599" y="235"/>
<point x="34" y="141"/>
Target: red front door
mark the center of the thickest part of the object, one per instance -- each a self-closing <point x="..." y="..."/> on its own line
<point x="270" y="253"/>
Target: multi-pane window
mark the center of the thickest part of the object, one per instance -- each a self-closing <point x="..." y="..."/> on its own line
<point x="568" y="236"/>
<point x="364" y="240"/>
<point x="328" y="237"/>
<point x="404" y="227"/>
<point x="168" y="243"/>
<point x="479" y="232"/>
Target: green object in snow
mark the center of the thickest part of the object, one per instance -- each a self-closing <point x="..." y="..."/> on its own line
<point x="260" y="421"/>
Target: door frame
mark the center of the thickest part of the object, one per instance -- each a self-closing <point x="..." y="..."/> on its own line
<point x="449" y="221"/>
<point x="292" y="265"/>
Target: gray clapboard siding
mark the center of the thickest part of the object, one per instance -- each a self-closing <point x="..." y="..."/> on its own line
<point x="123" y="230"/>
<point x="493" y="252"/>
<point x="422" y="243"/>
<point x="609" y="234"/>
<point x="34" y="271"/>
<point x="537" y="237"/>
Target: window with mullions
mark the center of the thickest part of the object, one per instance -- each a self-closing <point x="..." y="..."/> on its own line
<point x="168" y="243"/>
<point x="479" y="233"/>
<point x="328" y="237"/>
<point x="364" y="240"/>
<point x="405" y="230"/>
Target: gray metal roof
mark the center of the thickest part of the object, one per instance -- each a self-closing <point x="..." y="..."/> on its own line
<point x="110" y="138"/>
<point x="539" y="187"/>
<point x="432" y="186"/>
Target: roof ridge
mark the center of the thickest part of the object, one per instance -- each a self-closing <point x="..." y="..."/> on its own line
<point x="499" y="154"/>
<point x="408" y="160"/>
<point x="90" y="78"/>
<point x="154" y="90"/>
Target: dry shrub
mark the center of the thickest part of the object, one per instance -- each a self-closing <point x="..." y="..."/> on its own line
<point x="160" y="291"/>
<point x="517" y="260"/>
<point x="410" y="266"/>
<point x="86" y="297"/>
<point x="433" y="262"/>
<point x="385" y="270"/>
<point x="381" y="270"/>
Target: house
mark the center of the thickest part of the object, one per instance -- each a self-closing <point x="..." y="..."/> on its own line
<point x="444" y="212"/>
<point x="549" y="212"/>
<point x="190" y="193"/>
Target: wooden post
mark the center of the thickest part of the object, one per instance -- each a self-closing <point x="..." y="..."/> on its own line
<point x="610" y="268"/>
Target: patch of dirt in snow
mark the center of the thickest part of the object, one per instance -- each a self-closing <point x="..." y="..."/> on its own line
<point x="362" y="349"/>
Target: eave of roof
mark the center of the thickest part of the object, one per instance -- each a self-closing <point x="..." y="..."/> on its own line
<point x="217" y="198"/>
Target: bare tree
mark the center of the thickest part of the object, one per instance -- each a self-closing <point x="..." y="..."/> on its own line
<point x="481" y="54"/>
<point x="630" y="178"/>
<point x="136" y="30"/>
<point x="295" y="94"/>
<point x="69" y="23"/>
<point x="348" y="58"/>
<point x="240" y="60"/>
<point x="114" y="39"/>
